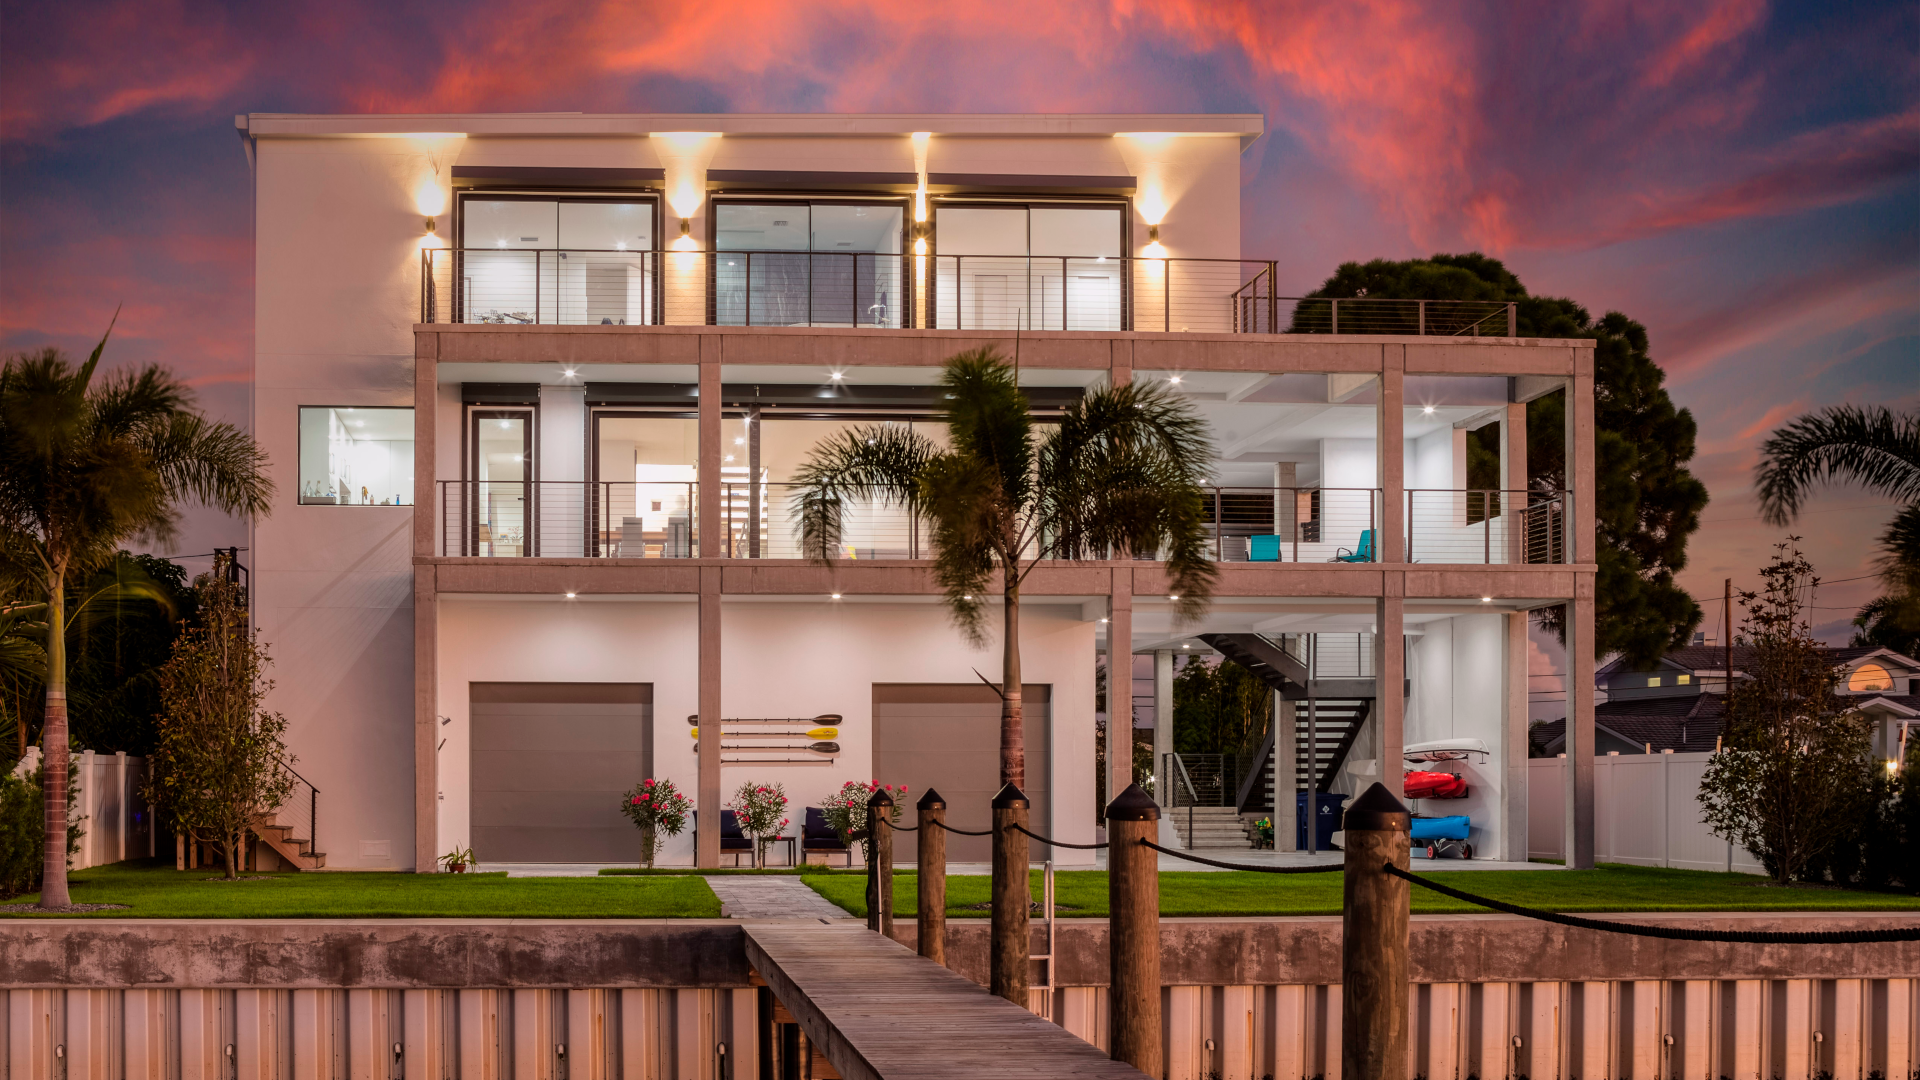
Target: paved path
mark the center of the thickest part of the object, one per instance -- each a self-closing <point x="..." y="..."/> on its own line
<point x="876" y="1011"/>
<point x="775" y="896"/>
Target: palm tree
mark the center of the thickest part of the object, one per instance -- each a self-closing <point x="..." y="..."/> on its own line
<point x="1879" y="450"/>
<point x="83" y="468"/>
<point x="1119" y="474"/>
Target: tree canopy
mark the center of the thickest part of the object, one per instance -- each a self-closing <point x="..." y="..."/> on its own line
<point x="1647" y="501"/>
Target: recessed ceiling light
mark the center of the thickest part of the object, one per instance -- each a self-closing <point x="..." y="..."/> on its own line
<point x="1103" y="620"/>
<point x="1171" y="597"/>
<point x="569" y="596"/>
<point x="1486" y="599"/>
<point x="1184" y="645"/>
<point x="568" y="372"/>
<point x="1174" y="380"/>
<point x="836" y="596"/>
<point x="729" y="457"/>
<point x="835" y="375"/>
<point x="1428" y="410"/>
<point x="739" y="442"/>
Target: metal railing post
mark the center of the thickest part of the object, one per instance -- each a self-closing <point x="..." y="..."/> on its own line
<point x="1486" y="530"/>
<point x="1513" y="320"/>
<point x="536" y="287"/>
<point x="1423" y="318"/>
<point x="1336" y="316"/>
<point x="1219" y="541"/>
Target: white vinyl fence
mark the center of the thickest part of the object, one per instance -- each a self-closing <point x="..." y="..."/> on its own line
<point x="1644" y="813"/>
<point x="116" y="824"/>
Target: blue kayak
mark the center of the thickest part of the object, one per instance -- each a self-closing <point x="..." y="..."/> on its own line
<point x="1440" y="828"/>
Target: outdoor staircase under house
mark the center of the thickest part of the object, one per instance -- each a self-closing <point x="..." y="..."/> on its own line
<point x="292" y="850"/>
<point x="1211" y="827"/>
<point x="1340" y="707"/>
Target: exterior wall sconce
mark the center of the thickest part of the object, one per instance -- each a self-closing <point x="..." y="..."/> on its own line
<point x="686" y="227"/>
<point x="1154" y="248"/>
<point x="433" y="226"/>
<point x="1153" y="234"/>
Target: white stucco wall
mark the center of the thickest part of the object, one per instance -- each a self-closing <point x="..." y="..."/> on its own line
<point x="1457" y="670"/>
<point x="791" y="659"/>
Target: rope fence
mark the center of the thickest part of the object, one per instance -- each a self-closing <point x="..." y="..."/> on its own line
<point x="1670" y="933"/>
<point x="1325" y="868"/>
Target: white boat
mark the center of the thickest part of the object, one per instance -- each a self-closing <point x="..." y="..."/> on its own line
<point x="1446" y="750"/>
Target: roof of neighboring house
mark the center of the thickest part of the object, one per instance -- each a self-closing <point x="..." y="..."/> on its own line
<point x="1698" y="658"/>
<point x="1684" y="725"/>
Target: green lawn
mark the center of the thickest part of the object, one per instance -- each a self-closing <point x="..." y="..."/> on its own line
<point x="1083" y="893"/>
<point x="158" y="891"/>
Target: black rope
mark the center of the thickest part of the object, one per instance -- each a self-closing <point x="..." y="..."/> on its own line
<point x="961" y="832"/>
<point x="896" y="828"/>
<point x="1056" y="843"/>
<point x="1330" y="867"/>
<point x="1671" y="933"/>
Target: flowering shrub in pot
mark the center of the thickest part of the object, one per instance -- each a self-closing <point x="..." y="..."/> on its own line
<point x="655" y="806"/>
<point x="761" y="812"/>
<point x="846" y="811"/>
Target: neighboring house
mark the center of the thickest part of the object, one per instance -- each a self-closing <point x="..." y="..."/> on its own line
<point x="535" y="387"/>
<point x="1680" y="703"/>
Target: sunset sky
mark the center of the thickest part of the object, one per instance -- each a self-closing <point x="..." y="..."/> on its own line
<point x="1743" y="178"/>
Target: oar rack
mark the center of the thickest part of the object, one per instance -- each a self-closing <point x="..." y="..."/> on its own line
<point x="807" y="740"/>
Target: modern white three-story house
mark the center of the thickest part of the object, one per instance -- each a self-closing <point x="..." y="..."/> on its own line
<point x="535" y="388"/>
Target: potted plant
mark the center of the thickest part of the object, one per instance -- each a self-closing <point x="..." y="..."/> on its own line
<point x="457" y="860"/>
<point x="1263" y="832"/>
<point x="761" y="812"/>
<point x="655" y="806"/>
<point x="846" y="811"/>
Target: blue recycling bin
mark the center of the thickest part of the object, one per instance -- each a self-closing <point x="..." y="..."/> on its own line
<point x="1326" y="822"/>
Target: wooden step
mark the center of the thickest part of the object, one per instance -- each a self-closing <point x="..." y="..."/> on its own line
<point x="297" y="853"/>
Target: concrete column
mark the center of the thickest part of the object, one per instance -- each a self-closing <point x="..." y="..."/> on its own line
<point x="707" y="516"/>
<point x="1120" y="684"/>
<point x="1578" y="843"/>
<point x="1390" y="541"/>
<point x="561" y="458"/>
<point x="1580" y="466"/>
<point x="426" y="721"/>
<point x="1390" y="673"/>
<point x="1513" y="744"/>
<point x="1286" y="766"/>
<point x="1162" y="722"/>
<point x="426" y="417"/>
<point x="706" y="851"/>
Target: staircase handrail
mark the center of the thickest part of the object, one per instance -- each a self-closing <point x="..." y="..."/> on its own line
<point x="1262" y="762"/>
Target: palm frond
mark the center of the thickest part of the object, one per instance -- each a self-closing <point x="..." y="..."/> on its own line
<point x="875" y="462"/>
<point x="971" y="527"/>
<point x="988" y="419"/>
<point x="1873" y="447"/>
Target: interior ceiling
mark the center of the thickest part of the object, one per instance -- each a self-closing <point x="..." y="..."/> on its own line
<point x="380" y="424"/>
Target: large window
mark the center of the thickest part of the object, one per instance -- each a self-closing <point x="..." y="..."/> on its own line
<point x="794" y="263"/>
<point x="645" y="468"/>
<point x="528" y="259"/>
<point x="1004" y="267"/>
<point x="356" y="456"/>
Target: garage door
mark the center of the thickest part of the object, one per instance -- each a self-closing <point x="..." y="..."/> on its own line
<point x="550" y="761"/>
<point x="947" y="736"/>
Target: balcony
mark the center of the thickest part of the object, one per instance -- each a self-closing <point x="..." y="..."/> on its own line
<point x="552" y="287"/>
<point x="556" y="519"/>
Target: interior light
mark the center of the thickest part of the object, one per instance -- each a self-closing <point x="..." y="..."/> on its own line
<point x="1174" y="379"/>
<point x="568" y="372"/>
<point x="1428" y="410"/>
<point x="501" y="243"/>
<point x="1103" y="620"/>
<point x="569" y="596"/>
<point x="506" y="423"/>
<point x="1486" y="599"/>
<point x="729" y="457"/>
<point x="835" y="376"/>
<point x="738" y="442"/>
<point x="1172" y="597"/>
<point x="836" y="596"/>
<point x="620" y="245"/>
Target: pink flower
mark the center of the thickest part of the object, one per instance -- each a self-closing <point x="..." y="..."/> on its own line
<point x="643" y="798"/>
<point x="636" y="800"/>
<point x="649" y="781"/>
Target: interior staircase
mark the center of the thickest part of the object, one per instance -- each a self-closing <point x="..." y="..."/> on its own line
<point x="293" y="851"/>
<point x="1211" y="827"/>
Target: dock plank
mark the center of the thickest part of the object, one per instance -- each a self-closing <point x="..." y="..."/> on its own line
<point x="880" y="1012"/>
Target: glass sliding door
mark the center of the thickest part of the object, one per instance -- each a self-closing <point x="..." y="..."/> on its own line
<point x="644" y="469"/>
<point x="1032" y="267"/>
<point x="501" y="518"/>
<point x="550" y="260"/>
<point x="808" y="264"/>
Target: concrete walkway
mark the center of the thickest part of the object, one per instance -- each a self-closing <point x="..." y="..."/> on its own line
<point x="776" y="896"/>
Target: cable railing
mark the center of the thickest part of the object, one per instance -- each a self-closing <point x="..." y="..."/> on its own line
<point x="301" y="812"/>
<point x="1486" y="526"/>
<point x="1206" y="779"/>
<point x="880" y="290"/>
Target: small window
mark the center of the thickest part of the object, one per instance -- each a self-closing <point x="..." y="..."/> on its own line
<point x="1653" y="680"/>
<point x="1868" y="678"/>
<point x="1682" y="680"/>
<point x="356" y="456"/>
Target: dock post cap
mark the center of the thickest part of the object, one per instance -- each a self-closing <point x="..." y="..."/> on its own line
<point x="879" y="797"/>
<point x="931" y="800"/>
<point x="1376" y="809"/>
<point x="1133" y="804"/>
<point x="1009" y="798"/>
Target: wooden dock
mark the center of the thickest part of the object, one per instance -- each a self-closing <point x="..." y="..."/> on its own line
<point x="879" y="1012"/>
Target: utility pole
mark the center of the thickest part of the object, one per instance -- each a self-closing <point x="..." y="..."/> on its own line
<point x="1726" y="640"/>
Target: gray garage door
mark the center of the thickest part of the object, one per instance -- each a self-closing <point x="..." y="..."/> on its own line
<point x="947" y="736"/>
<point x="550" y="761"/>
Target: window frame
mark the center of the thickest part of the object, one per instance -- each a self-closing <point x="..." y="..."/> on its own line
<point x="299" y="454"/>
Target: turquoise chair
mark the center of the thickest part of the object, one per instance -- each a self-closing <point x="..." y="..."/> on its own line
<point x="1365" y="552"/>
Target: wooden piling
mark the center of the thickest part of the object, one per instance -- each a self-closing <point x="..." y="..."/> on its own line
<point x="1374" y="968"/>
<point x="1133" y="936"/>
<point x="1012" y="897"/>
<point x="880" y="867"/>
<point x="931" y="897"/>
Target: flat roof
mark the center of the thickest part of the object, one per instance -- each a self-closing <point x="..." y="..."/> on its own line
<point x="1244" y="126"/>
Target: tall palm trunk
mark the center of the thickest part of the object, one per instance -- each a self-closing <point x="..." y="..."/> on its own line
<point x="1013" y="737"/>
<point x="53" y="778"/>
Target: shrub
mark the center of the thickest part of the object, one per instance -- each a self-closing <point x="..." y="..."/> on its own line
<point x="655" y="806"/>
<point x="846" y="811"/>
<point x="761" y="812"/>
<point x="23" y="826"/>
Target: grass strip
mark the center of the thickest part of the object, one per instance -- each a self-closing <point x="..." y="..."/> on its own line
<point x="159" y="891"/>
<point x="1083" y="893"/>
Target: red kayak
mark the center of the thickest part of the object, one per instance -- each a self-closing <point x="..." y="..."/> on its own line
<point x="1435" y="785"/>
